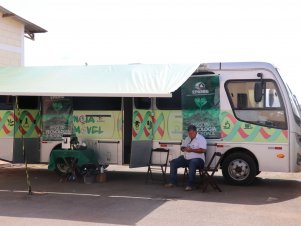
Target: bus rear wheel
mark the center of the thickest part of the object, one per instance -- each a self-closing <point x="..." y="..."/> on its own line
<point x="239" y="169"/>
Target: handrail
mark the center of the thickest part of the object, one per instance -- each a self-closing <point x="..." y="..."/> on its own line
<point x="108" y="141"/>
<point x="172" y="142"/>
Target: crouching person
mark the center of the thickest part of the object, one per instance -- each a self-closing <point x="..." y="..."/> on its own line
<point x="193" y="148"/>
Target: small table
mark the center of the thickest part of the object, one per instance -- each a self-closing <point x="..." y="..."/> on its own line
<point x="80" y="157"/>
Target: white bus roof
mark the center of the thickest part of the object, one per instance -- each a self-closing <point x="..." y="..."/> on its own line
<point x="237" y="66"/>
<point x="136" y="80"/>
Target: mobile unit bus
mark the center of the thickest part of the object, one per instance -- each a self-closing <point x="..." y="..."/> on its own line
<point x="244" y="110"/>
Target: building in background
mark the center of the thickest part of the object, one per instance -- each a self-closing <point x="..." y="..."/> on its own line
<point x="13" y="29"/>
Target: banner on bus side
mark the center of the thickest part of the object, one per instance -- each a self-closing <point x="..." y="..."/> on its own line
<point x="201" y="105"/>
<point x="97" y="124"/>
<point x="7" y="123"/>
<point x="57" y="117"/>
<point x="142" y="127"/>
<point x="24" y="123"/>
<point x="236" y="131"/>
<point x="167" y="125"/>
<point x="28" y="123"/>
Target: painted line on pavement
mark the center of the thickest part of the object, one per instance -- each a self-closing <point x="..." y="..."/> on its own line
<point x="54" y="193"/>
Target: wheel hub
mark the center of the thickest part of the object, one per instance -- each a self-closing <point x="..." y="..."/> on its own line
<point x="239" y="169"/>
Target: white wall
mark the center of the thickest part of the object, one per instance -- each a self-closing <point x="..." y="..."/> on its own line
<point x="11" y="42"/>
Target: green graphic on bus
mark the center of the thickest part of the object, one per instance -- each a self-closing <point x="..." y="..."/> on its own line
<point x="201" y="105"/>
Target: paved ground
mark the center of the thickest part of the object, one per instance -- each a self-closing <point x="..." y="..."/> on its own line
<point x="125" y="199"/>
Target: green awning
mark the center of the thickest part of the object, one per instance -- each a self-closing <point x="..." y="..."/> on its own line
<point x="137" y="80"/>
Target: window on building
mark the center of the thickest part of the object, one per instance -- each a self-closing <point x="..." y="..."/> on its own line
<point x="268" y="112"/>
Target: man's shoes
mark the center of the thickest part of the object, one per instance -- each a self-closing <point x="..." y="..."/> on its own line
<point x="188" y="188"/>
<point x="170" y="185"/>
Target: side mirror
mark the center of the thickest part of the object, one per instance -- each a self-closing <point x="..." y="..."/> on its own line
<point x="258" y="92"/>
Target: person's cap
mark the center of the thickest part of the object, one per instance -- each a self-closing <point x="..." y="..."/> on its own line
<point x="191" y="127"/>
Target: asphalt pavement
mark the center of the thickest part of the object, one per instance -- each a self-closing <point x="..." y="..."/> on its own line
<point x="125" y="199"/>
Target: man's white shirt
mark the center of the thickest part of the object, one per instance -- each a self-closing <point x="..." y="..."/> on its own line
<point x="198" y="142"/>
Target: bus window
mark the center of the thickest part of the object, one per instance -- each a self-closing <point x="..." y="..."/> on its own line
<point x="272" y="97"/>
<point x="28" y="102"/>
<point x="268" y="112"/>
<point x="173" y="103"/>
<point x="6" y="102"/>
<point x="97" y="103"/>
<point x="142" y="102"/>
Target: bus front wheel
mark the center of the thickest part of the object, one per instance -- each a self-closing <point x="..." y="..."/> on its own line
<point x="239" y="168"/>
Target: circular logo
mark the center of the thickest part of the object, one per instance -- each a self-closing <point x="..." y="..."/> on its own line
<point x="199" y="86"/>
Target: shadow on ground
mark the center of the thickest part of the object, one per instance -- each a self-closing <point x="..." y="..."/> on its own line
<point x="124" y="199"/>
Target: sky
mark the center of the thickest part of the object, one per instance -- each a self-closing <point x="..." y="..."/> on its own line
<point x="161" y="31"/>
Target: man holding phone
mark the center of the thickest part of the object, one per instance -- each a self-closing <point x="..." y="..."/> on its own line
<point x="193" y="148"/>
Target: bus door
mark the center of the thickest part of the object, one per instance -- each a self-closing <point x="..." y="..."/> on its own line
<point x="141" y="132"/>
<point x="27" y="123"/>
<point x="7" y="121"/>
<point x="127" y="128"/>
<point x="168" y="125"/>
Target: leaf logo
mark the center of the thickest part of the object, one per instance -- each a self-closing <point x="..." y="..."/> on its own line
<point x="199" y="86"/>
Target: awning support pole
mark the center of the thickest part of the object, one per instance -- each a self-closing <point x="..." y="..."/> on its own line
<point x="24" y="152"/>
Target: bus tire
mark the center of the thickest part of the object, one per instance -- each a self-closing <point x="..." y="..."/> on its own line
<point x="239" y="169"/>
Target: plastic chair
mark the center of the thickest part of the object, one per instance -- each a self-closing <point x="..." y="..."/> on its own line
<point x="157" y="166"/>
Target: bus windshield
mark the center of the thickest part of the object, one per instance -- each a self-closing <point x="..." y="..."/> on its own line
<point x="295" y="106"/>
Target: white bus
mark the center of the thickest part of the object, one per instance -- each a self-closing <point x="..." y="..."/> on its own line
<point x="245" y="110"/>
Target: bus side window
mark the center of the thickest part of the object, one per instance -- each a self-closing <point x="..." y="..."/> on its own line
<point x="272" y="98"/>
<point x="268" y="112"/>
<point x="6" y="102"/>
<point x="142" y="102"/>
<point x="173" y="103"/>
<point x="28" y="102"/>
<point x="97" y="103"/>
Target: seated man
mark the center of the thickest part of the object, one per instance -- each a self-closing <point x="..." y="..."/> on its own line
<point x="194" y="147"/>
